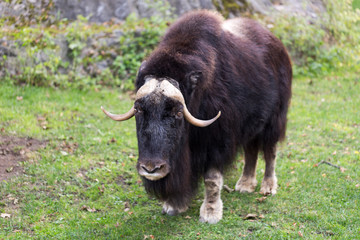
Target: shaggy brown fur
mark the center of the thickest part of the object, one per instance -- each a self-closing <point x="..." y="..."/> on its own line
<point x="234" y="66"/>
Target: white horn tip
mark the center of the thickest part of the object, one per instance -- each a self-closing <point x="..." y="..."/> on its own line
<point x="218" y="115"/>
<point x="103" y="109"/>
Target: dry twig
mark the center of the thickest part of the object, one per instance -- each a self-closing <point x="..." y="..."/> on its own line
<point x="228" y="189"/>
<point x="331" y="164"/>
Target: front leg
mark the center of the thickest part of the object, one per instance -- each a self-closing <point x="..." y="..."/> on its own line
<point x="212" y="208"/>
<point x="171" y="210"/>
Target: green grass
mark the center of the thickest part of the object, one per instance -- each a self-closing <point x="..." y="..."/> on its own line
<point x="81" y="169"/>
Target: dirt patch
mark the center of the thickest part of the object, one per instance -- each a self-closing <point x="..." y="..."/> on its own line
<point x="14" y="150"/>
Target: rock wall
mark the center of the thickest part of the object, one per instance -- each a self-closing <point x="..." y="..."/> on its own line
<point x="14" y="59"/>
<point x="105" y="10"/>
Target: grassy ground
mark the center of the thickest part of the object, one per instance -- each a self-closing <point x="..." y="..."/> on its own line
<point x="83" y="185"/>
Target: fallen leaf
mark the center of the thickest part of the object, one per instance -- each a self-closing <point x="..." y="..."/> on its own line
<point x="149" y="236"/>
<point x="89" y="209"/>
<point x="9" y="170"/>
<point x="16" y="201"/>
<point x="126" y="206"/>
<point x="80" y="175"/>
<point x="101" y="164"/>
<point x="187" y="217"/>
<point x="5" y="215"/>
<point x="102" y="188"/>
<point x="300" y="234"/>
<point x="64" y="153"/>
<point x="250" y="216"/>
<point x="19" y="98"/>
<point x="41" y="118"/>
<point x="262" y="199"/>
<point x="228" y="189"/>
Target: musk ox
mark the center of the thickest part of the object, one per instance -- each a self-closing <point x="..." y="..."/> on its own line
<point x="205" y="67"/>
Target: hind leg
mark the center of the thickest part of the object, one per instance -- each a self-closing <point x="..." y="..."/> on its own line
<point x="247" y="182"/>
<point x="269" y="183"/>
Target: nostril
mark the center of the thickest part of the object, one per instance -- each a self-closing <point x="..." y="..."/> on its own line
<point x="144" y="168"/>
<point x="150" y="169"/>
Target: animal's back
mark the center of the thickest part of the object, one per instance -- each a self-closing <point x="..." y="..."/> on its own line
<point x="270" y="52"/>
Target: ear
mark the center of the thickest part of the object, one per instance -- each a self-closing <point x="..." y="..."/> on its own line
<point x="142" y="66"/>
<point x="194" y="78"/>
<point x="139" y="81"/>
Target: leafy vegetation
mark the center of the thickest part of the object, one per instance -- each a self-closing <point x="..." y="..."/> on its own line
<point x="84" y="184"/>
<point x="63" y="54"/>
<point x="320" y="45"/>
<point x="79" y="54"/>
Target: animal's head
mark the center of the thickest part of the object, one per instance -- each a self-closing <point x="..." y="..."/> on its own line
<point x="160" y="113"/>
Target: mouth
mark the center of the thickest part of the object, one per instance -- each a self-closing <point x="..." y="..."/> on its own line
<point x="152" y="176"/>
<point x="153" y="172"/>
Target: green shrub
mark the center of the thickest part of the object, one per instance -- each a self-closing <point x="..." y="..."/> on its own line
<point x="316" y="46"/>
<point x="80" y="70"/>
<point x="321" y="45"/>
<point x="135" y="45"/>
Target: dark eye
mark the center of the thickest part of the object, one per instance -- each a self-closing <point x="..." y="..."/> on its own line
<point x="179" y="115"/>
<point x="137" y="109"/>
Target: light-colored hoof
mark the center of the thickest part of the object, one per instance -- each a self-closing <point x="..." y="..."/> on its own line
<point x="211" y="212"/>
<point x="169" y="210"/>
<point x="269" y="186"/>
<point x="246" y="184"/>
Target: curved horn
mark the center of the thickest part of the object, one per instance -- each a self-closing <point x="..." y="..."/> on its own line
<point x="120" y="117"/>
<point x="170" y="91"/>
<point x="147" y="88"/>
<point x="197" y="122"/>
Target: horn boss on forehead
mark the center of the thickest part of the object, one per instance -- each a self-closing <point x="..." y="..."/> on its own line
<point x="167" y="89"/>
